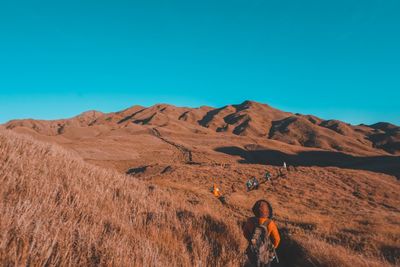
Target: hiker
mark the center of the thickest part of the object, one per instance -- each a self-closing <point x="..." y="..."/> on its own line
<point x="215" y="191"/>
<point x="262" y="234"/>
<point x="249" y="185"/>
<point x="252" y="184"/>
<point x="256" y="184"/>
<point x="268" y="176"/>
<point x="217" y="194"/>
<point x="284" y="166"/>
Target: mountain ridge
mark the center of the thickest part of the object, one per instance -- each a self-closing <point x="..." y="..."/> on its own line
<point x="250" y="118"/>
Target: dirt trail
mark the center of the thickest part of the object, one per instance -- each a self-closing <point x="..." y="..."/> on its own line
<point x="186" y="153"/>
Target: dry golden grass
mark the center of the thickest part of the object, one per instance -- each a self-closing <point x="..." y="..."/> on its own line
<point x="321" y="253"/>
<point x="57" y="210"/>
<point x="351" y="215"/>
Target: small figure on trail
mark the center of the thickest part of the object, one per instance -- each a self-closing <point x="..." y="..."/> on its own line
<point x="249" y="184"/>
<point x="284" y="166"/>
<point x="268" y="176"/>
<point x="252" y="184"/>
<point x="256" y="184"/>
<point x="216" y="192"/>
<point x="263" y="236"/>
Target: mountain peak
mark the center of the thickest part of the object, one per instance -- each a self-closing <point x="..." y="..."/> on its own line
<point x="90" y="113"/>
<point x="384" y="126"/>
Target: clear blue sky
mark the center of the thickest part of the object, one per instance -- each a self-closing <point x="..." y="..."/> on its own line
<point x="335" y="59"/>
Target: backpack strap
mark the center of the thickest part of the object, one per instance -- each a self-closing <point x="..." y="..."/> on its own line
<point x="265" y="225"/>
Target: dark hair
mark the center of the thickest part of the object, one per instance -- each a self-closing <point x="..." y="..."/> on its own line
<point x="256" y="208"/>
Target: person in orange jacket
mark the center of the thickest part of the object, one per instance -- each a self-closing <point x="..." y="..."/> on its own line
<point x="263" y="214"/>
<point x="216" y="191"/>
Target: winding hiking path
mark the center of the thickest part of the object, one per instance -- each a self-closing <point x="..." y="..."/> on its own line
<point x="186" y="153"/>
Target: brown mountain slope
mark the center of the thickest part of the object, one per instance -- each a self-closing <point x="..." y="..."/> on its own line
<point x="251" y="119"/>
<point x="248" y="119"/>
<point x="56" y="127"/>
<point x="342" y="187"/>
<point x="328" y="135"/>
<point x="57" y="210"/>
<point x="385" y="136"/>
<point x="163" y="214"/>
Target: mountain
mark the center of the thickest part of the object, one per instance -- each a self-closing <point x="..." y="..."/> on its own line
<point x="249" y="119"/>
<point x="385" y="136"/>
<point x="135" y="183"/>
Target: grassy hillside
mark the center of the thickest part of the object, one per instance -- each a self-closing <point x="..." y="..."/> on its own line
<point x="57" y="210"/>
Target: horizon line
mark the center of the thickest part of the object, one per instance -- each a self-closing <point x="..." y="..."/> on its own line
<point x="67" y="117"/>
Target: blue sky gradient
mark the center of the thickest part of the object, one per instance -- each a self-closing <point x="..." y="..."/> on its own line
<point x="334" y="59"/>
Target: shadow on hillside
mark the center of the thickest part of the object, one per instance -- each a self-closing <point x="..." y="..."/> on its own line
<point x="209" y="116"/>
<point x="382" y="164"/>
<point x="290" y="253"/>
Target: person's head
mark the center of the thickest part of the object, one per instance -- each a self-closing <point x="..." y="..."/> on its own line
<point x="262" y="209"/>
